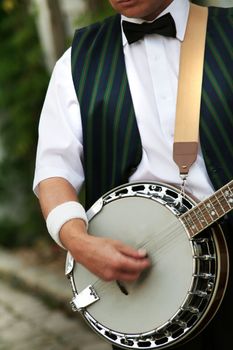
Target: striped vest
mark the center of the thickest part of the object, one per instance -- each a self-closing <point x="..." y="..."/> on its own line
<point x="111" y="140"/>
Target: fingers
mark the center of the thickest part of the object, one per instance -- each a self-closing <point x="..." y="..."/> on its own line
<point x="113" y="275"/>
<point x="125" y="268"/>
<point x="120" y="267"/>
<point x="110" y="259"/>
<point x="129" y="264"/>
<point x="129" y="251"/>
<point x="132" y="271"/>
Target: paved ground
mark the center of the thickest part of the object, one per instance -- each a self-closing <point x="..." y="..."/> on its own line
<point x="27" y="322"/>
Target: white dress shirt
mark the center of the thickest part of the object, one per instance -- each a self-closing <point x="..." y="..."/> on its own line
<point x="152" y="66"/>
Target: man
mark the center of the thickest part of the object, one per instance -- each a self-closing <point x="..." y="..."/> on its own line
<point x="145" y="76"/>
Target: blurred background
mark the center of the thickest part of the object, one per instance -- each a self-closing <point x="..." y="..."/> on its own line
<point x="33" y="35"/>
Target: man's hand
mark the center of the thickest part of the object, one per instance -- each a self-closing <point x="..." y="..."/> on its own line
<point x="107" y="258"/>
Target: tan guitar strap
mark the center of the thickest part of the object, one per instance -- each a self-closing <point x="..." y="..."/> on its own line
<point x="185" y="146"/>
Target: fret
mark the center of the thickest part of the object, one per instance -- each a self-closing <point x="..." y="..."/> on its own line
<point x="206" y="213"/>
<point x="200" y="220"/>
<point x="215" y="211"/>
<point x="227" y="202"/>
<point x="210" y="210"/>
<point x="190" y="224"/>
<point x="219" y="204"/>
<point x="228" y="195"/>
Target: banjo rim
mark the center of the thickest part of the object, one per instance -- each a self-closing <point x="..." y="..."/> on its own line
<point x="217" y="294"/>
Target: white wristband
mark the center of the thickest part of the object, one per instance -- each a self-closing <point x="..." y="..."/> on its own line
<point x="60" y="215"/>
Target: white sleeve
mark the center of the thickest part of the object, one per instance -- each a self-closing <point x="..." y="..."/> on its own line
<point x="60" y="149"/>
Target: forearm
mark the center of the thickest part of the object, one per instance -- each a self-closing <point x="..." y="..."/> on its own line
<point x="107" y="258"/>
<point x="53" y="192"/>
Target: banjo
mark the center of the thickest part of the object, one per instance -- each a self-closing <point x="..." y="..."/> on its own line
<point x="180" y="293"/>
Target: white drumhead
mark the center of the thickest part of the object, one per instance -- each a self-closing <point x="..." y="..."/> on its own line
<point x="160" y="292"/>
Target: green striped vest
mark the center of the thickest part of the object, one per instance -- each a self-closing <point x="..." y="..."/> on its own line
<point x="111" y="140"/>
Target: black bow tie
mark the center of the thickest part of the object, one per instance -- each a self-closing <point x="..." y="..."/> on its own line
<point x="164" y="25"/>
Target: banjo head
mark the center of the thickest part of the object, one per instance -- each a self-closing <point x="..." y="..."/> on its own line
<point x="170" y="297"/>
<point x="140" y="222"/>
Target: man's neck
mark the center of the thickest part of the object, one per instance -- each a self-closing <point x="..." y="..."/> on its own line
<point x="159" y="10"/>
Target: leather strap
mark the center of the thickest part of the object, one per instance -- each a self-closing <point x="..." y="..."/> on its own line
<point x="185" y="145"/>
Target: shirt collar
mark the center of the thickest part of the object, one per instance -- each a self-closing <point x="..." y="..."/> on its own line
<point x="179" y="9"/>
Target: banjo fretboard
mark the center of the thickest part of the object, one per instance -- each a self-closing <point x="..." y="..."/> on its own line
<point x="210" y="210"/>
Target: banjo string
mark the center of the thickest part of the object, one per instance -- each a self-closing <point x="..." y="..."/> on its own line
<point x="164" y="241"/>
<point x="165" y="238"/>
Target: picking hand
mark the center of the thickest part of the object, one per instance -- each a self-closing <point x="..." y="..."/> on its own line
<point x="107" y="258"/>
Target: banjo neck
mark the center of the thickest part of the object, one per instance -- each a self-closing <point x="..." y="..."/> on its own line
<point x="209" y="211"/>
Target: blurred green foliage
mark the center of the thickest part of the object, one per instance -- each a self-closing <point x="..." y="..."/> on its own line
<point x="97" y="11"/>
<point x="23" y="82"/>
